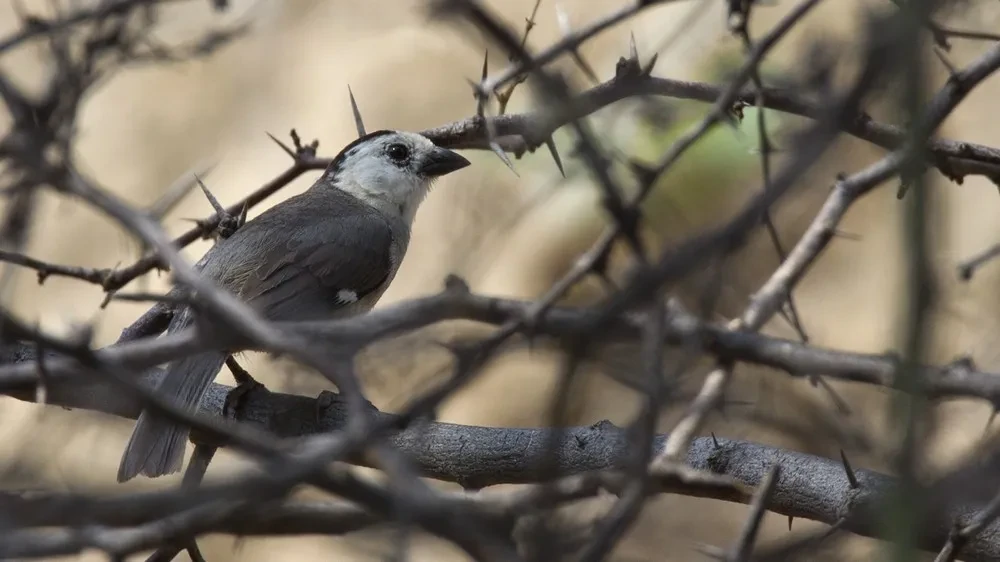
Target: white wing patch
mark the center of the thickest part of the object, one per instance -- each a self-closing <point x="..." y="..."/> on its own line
<point x="345" y="296"/>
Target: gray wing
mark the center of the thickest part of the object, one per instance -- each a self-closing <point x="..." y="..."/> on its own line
<point x="307" y="260"/>
<point x="344" y="261"/>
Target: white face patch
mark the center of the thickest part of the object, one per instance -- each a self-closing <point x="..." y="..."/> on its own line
<point x="368" y="174"/>
<point x="346" y="297"/>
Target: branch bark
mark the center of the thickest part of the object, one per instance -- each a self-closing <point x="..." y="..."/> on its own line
<point x="808" y="486"/>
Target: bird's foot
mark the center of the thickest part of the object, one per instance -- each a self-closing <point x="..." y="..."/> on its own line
<point x="245" y="385"/>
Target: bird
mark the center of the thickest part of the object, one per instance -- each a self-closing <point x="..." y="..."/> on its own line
<point x="329" y="252"/>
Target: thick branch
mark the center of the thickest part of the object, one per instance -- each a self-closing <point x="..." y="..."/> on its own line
<point x="809" y="487"/>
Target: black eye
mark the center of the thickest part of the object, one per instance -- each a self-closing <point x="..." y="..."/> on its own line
<point x="398" y="152"/>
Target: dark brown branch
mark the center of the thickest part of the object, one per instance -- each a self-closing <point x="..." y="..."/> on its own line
<point x="18" y="376"/>
<point x="267" y="519"/>
<point x="957" y="157"/>
<point x="940" y="107"/>
<point x="594" y="458"/>
<point x="525" y="131"/>
<point x="569" y="43"/>
<point x="46" y="270"/>
<point x="120" y="277"/>
<point x="766" y="301"/>
<point x="810" y="487"/>
<point x="38" y="27"/>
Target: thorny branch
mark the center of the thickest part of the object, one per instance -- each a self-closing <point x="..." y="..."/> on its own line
<point x="498" y="455"/>
<point x="523" y="132"/>
<point x="559" y="465"/>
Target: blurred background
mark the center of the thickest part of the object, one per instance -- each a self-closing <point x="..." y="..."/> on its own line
<point x="513" y="235"/>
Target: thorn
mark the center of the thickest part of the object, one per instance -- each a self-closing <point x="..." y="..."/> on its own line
<point x="551" y="145"/>
<point x="715" y="441"/>
<point x="296" y="140"/>
<point x="477" y="91"/>
<point x="227" y="223"/>
<point x="216" y="206"/>
<point x="455" y="283"/>
<point x="242" y="219"/>
<point x="647" y="69"/>
<point x="283" y="146"/>
<point x="503" y="157"/>
<point x="633" y="51"/>
<point x="852" y="479"/>
<point x="962" y="362"/>
<point x="491" y="135"/>
<point x="357" y="113"/>
<point x="178" y="190"/>
<point x="790" y="518"/>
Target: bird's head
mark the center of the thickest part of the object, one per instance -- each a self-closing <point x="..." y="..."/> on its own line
<point x="391" y="170"/>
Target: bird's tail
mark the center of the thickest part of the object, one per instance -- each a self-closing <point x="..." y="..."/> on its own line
<point x="157" y="444"/>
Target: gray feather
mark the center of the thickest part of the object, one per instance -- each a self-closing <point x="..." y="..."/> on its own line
<point x="339" y="245"/>
<point x="290" y="263"/>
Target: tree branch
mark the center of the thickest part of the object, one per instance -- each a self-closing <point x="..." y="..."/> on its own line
<point x="809" y="487"/>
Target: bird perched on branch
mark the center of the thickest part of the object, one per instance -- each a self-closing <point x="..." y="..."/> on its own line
<point x="329" y="252"/>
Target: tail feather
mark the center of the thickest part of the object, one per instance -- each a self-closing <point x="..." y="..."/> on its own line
<point x="157" y="445"/>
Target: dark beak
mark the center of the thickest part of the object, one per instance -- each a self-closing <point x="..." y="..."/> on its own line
<point x="442" y="161"/>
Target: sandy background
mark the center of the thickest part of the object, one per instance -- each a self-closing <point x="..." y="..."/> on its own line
<point x="148" y="126"/>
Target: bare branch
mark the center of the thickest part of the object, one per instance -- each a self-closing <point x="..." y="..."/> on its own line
<point x="810" y="487"/>
<point x="296" y="440"/>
